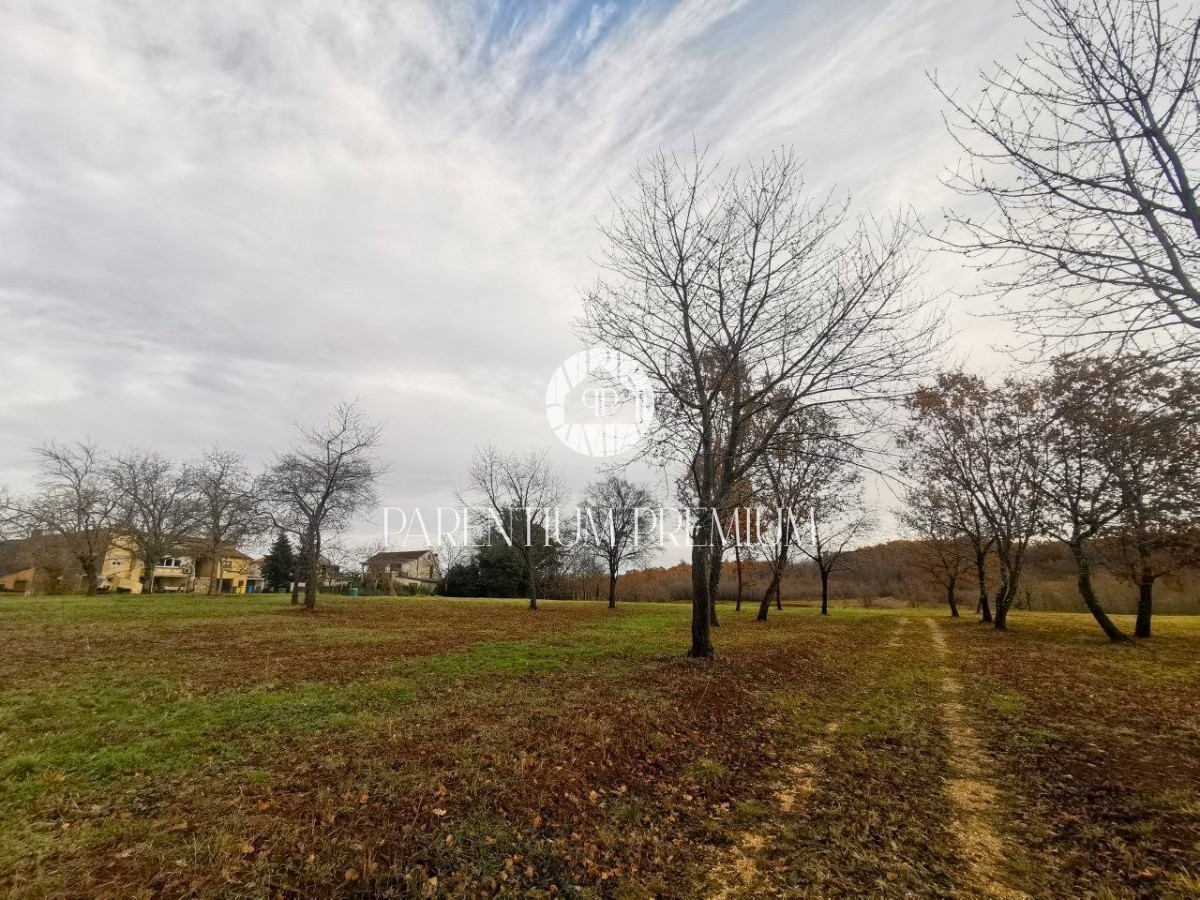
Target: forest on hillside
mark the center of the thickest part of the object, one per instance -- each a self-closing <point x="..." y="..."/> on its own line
<point x="892" y="574"/>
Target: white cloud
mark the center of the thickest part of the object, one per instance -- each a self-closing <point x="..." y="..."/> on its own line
<point x="216" y="219"/>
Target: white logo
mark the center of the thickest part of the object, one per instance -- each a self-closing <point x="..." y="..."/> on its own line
<point x="600" y="402"/>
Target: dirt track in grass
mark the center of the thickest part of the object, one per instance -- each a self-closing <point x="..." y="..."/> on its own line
<point x="193" y="747"/>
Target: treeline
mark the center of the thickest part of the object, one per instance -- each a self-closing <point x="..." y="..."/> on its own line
<point x="1101" y="454"/>
<point x="153" y="507"/>
<point x="894" y="574"/>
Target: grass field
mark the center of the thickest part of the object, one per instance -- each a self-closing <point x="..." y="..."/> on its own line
<point x="186" y="746"/>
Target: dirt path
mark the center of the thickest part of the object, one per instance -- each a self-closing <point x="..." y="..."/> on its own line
<point x="972" y="797"/>
<point x="738" y="874"/>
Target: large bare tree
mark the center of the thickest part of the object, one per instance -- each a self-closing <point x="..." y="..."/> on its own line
<point x="808" y="454"/>
<point x="838" y="519"/>
<point x="616" y="523"/>
<point x="521" y="495"/>
<point x="736" y="291"/>
<point x="158" y="507"/>
<point x="940" y="550"/>
<point x="988" y="442"/>
<point x="1154" y="456"/>
<point x="323" y="483"/>
<point x="1085" y="150"/>
<point x="230" y="509"/>
<point x="75" y="501"/>
<point x="1083" y="496"/>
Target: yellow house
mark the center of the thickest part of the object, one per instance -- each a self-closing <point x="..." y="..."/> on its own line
<point x="19" y="581"/>
<point x="39" y="564"/>
<point x="124" y="572"/>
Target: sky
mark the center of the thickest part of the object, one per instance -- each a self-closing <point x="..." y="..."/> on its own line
<point x="217" y="220"/>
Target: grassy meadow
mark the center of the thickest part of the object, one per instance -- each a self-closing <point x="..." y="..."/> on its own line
<point x="192" y="746"/>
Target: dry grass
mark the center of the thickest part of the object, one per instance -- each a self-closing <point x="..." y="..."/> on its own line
<point x="383" y="747"/>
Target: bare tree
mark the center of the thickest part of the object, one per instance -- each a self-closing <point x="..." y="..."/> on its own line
<point x="1155" y="458"/>
<point x="838" y="520"/>
<point x="735" y="292"/>
<point x="991" y="444"/>
<point x="1083" y="498"/>
<point x="158" y="508"/>
<point x="616" y="523"/>
<point x="1085" y="149"/>
<point x="231" y="511"/>
<point x="521" y="493"/>
<point x="809" y="452"/>
<point x="323" y="483"/>
<point x="941" y="550"/>
<point x="75" y="501"/>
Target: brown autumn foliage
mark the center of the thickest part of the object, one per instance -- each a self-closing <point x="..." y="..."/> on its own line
<point x="890" y="574"/>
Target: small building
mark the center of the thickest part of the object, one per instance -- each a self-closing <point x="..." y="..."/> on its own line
<point x="413" y="569"/>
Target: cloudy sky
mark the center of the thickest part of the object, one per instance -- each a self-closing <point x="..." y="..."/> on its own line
<point x="217" y="219"/>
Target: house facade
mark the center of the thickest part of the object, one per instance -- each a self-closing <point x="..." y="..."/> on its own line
<point x="413" y="569"/>
<point x="29" y="566"/>
<point x="186" y="571"/>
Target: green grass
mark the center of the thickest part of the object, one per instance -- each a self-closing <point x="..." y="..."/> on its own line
<point x="380" y="743"/>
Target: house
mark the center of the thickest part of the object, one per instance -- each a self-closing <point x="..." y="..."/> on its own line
<point x="233" y="576"/>
<point x="415" y="569"/>
<point x="41" y="564"/>
<point x="188" y="570"/>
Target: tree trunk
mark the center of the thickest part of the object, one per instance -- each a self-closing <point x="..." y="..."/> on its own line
<point x="702" y="647"/>
<point x="950" y="597"/>
<point x="985" y="607"/>
<point x="312" y="570"/>
<point x="714" y="578"/>
<point x="1004" y="599"/>
<point x="92" y="574"/>
<point x="612" y="588"/>
<point x="1083" y="570"/>
<point x="824" y="591"/>
<point x="1145" y="607"/>
<point x="148" y="577"/>
<point x="1001" y="596"/>
<point x="214" y="571"/>
<point x="533" y="598"/>
<point x="765" y="606"/>
<point x="312" y="580"/>
<point x="737" y="561"/>
<point x="778" y="567"/>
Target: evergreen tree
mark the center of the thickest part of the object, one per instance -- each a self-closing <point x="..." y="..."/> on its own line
<point x="279" y="564"/>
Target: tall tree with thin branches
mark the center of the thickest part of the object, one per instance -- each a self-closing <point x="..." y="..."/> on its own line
<point x="520" y="494"/>
<point x="75" y="500"/>
<point x="616" y="524"/>
<point x="158" y="507"/>
<point x="231" y="510"/>
<point x="1085" y="149"/>
<point x="838" y="520"/>
<point x="941" y="550"/>
<point x="744" y="299"/>
<point x="320" y="486"/>
<point x="990" y="442"/>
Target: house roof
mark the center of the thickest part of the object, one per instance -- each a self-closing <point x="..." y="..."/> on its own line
<point x="394" y="556"/>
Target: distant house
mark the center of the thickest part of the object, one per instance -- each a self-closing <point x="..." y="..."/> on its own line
<point x="40" y="564"/>
<point x="187" y="570"/>
<point x="415" y="569"/>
